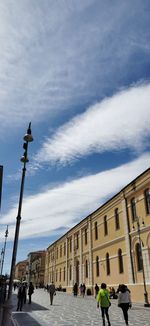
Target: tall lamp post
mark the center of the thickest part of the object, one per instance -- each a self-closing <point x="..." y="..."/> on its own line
<point x="24" y="159"/>
<point x="146" y="302"/>
<point x="3" y="251"/>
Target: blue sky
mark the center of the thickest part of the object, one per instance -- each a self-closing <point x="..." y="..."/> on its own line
<point x="80" y="72"/>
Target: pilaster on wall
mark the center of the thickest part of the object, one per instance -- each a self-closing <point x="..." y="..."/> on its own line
<point x="73" y="267"/>
<point x="127" y="240"/>
<point x="66" y="262"/>
<point x="80" y="246"/>
<point x="90" y="253"/>
<point x="146" y="264"/>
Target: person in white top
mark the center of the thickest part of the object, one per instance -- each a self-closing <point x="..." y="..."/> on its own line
<point x="124" y="301"/>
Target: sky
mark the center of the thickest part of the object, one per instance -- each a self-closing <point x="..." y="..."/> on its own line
<point x="79" y="71"/>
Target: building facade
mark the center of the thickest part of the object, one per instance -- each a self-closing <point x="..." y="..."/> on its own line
<point x="36" y="268"/>
<point x="20" y="270"/>
<point x="111" y="245"/>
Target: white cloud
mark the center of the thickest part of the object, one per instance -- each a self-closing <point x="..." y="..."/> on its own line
<point x="56" y="55"/>
<point x="116" y="123"/>
<point x="65" y="205"/>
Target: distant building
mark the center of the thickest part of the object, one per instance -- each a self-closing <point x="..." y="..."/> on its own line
<point x="1" y="182"/>
<point x="36" y="268"/>
<point x="106" y="245"/>
<point x="20" y="270"/>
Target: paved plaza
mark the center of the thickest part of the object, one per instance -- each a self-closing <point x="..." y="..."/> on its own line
<point x="68" y="310"/>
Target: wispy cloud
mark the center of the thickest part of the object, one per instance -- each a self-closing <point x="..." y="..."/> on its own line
<point x="115" y="123"/>
<point x="56" y="55"/>
<point x="68" y="203"/>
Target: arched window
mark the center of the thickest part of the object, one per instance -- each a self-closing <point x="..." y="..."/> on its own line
<point x="105" y="225"/>
<point x="139" y="259"/>
<point x="107" y="264"/>
<point x="120" y="261"/>
<point x="97" y="266"/>
<point x="86" y="268"/>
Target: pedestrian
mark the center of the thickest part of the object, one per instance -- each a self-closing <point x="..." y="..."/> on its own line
<point x="96" y="290"/>
<point x="83" y="290"/>
<point x="104" y="302"/>
<point x="21" y="296"/>
<point x="52" y="292"/>
<point x="30" y="291"/>
<point x="124" y="301"/>
<point x="75" y="289"/>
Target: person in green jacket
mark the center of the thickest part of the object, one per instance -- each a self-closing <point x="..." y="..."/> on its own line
<point x="104" y="302"/>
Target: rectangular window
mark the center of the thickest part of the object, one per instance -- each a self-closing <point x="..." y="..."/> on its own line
<point x="117" y="222"/>
<point x="96" y="231"/>
<point x="147" y="200"/>
<point x="133" y="209"/>
<point x="85" y="234"/>
<point x="61" y="251"/>
<point x="70" y="245"/>
<point x="64" y="273"/>
<point x="64" y="248"/>
<point x="105" y="225"/>
<point x="77" y="241"/>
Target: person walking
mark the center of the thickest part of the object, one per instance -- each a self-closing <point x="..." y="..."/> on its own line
<point x="21" y="296"/>
<point x="83" y="289"/>
<point x="124" y="301"/>
<point x="75" y="289"/>
<point x="30" y="291"/>
<point x="96" y="290"/>
<point x="52" y="292"/>
<point x="104" y="302"/>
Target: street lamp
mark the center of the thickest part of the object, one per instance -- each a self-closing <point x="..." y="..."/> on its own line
<point x="3" y="250"/>
<point x="24" y="159"/>
<point x="146" y="302"/>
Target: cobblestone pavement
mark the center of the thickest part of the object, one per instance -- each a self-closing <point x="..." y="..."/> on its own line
<point x="68" y="310"/>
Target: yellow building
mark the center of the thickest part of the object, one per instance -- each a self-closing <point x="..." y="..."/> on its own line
<point x="20" y="270"/>
<point x="111" y="245"/>
<point x="36" y="268"/>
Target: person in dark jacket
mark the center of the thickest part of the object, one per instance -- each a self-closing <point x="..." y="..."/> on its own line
<point x="52" y="292"/>
<point x="96" y="290"/>
<point x="30" y="291"/>
<point x="21" y="297"/>
<point x="75" y="289"/>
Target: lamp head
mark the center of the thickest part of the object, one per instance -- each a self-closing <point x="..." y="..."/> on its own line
<point x="24" y="159"/>
<point x="28" y="136"/>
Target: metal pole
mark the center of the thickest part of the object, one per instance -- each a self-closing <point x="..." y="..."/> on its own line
<point x="146" y="302"/>
<point x="6" y="235"/>
<point x="18" y="219"/>
<point x="8" y="306"/>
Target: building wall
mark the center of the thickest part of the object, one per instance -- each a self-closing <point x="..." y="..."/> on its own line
<point x="103" y="246"/>
<point x="20" y="270"/>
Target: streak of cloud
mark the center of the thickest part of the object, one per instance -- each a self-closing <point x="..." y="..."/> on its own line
<point x="115" y="123"/>
<point x="68" y="203"/>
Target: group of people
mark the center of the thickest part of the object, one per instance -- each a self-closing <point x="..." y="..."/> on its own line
<point x="103" y="301"/>
<point x="22" y="294"/>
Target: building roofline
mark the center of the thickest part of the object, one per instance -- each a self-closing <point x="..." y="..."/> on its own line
<point x="109" y="200"/>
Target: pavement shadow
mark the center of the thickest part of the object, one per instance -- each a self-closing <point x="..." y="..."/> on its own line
<point x="24" y="319"/>
<point x="27" y="307"/>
